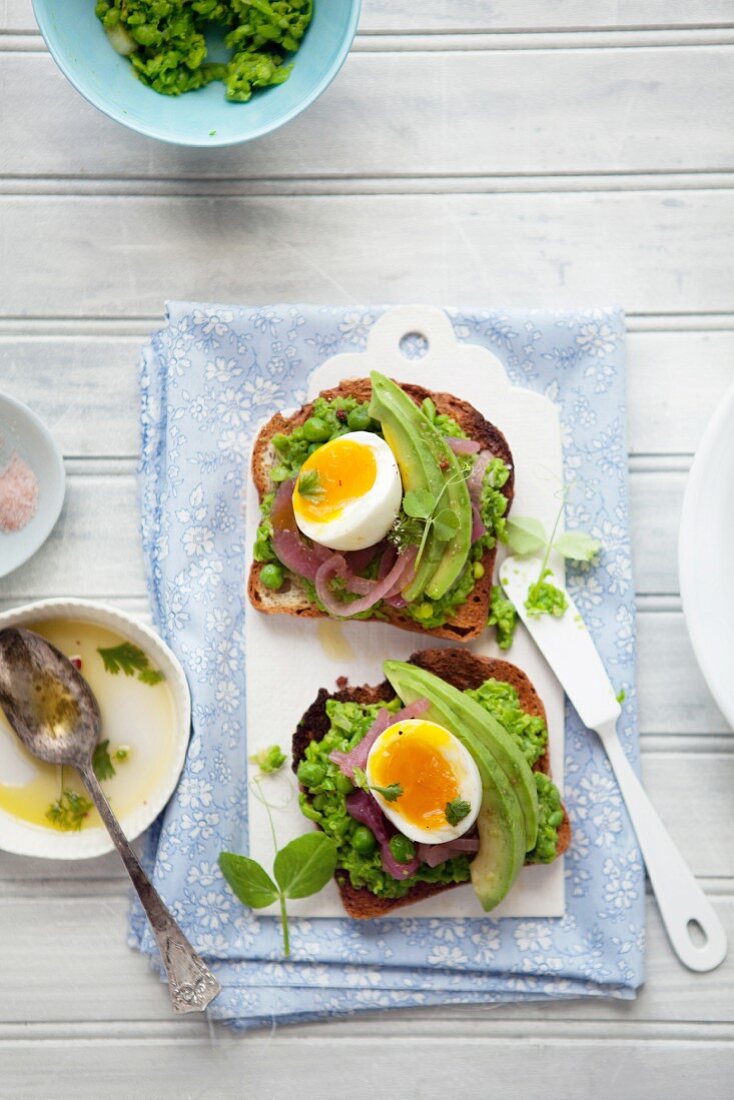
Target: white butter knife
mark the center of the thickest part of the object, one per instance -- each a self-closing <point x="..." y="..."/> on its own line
<point x="569" y="650"/>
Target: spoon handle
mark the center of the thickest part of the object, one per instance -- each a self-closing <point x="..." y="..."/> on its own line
<point x="191" y="984"/>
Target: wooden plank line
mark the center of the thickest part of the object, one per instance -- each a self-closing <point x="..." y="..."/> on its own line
<point x="435" y="1021"/>
<point x="100" y="327"/>
<point x="509" y="18"/>
<point x="473" y="41"/>
<point x="328" y="185"/>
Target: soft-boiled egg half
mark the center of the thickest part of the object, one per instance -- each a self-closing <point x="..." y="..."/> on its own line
<point x="348" y="492"/>
<point x="433" y="770"/>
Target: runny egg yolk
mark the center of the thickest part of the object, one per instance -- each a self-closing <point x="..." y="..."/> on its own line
<point x="415" y="757"/>
<point x="346" y="472"/>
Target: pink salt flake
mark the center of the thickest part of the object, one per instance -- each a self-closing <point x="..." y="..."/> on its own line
<point x="18" y="495"/>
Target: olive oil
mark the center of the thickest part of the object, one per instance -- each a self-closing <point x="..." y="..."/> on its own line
<point x="333" y="642"/>
<point x="136" y="716"/>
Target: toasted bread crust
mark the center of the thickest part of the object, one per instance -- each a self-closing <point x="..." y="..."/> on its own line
<point x="471" y="618"/>
<point x="464" y="670"/>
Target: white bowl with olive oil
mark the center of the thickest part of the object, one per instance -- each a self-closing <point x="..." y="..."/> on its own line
<point x="146" y="718"/>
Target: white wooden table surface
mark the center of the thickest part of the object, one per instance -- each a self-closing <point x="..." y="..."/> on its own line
<point x="518" y="152"/>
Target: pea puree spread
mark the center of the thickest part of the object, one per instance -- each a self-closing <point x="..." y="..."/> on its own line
<point x="326" y="789"/>
<point x="165" y="41"/>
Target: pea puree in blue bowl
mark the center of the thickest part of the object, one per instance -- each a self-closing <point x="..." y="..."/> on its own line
<point x="279" y="33"/>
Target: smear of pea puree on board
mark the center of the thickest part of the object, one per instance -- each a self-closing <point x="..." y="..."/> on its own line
<point x="165" y="41"/>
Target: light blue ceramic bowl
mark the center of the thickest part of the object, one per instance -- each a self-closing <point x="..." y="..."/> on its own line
<point x="80" y="48"/>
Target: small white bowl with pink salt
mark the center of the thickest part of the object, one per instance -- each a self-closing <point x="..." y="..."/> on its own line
<point x="31" y="483"/>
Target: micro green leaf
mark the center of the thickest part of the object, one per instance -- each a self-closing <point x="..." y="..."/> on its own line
<point x="577" y="545"/>
<point x="304" y="866"/>
<point x="525" y="535"/>
<point x="445" y="525"/>
<point x="249" y="881"/>
<point x="419" y="503"/>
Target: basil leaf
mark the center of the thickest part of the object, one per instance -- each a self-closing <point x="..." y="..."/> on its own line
<point x="251" y="884"/>
<point x="577" y="545"/>
<point x="445" y="525"/>
<point x="419" y="503"/>
<point x="525" y="535"/>
<point x="305" y="865"/>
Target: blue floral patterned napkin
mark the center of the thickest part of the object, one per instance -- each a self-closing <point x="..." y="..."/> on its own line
<point x="208" y="378"/>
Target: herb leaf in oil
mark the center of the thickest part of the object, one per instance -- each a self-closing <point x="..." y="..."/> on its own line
<point x="131" y="660"/>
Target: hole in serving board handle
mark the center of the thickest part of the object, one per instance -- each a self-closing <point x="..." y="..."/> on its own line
<point x="414" y="345"/>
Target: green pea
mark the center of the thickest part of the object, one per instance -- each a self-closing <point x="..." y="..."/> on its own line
<point x="319" y="802"/>
<point x="478" y="570"/>
<point x="424" y="610"/>
<point x="310" y="774"/>
<point x="272" y="576"/>
<point x="363" y="841"/>
<point x="555" y="818"/>
<point x="316" y="430"/>
<point x="359" y="419"/>
<point x="402" y="848"/>
<point x="343" y="784"/>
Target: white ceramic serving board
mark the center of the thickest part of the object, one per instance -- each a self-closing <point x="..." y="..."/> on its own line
<point x="289" y="660"/>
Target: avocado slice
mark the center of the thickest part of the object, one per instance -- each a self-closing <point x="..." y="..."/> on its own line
<point x="455" y="710"/>
<point x="426" y="462"/>
<point x="419" y="468"/>
<point x="502" y="842"/>
<point x="456" y="554"/>
<point x="502" y="838"/>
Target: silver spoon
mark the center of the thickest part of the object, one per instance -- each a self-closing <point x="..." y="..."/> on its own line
<point x="52" y="709"/>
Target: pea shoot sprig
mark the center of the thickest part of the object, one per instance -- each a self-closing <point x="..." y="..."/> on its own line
<point x="526" y="536"/>
<point x="300" y="869"/>
<point x="423" y="507"/>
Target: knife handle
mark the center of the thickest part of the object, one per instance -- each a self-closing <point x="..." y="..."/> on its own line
<point x="681" y="900"/>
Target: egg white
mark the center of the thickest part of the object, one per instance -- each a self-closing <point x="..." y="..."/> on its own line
<point x="469" y="782"/>
<point x="367" y="520"/>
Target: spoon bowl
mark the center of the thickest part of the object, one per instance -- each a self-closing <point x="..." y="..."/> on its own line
<point x="46" y="699"/>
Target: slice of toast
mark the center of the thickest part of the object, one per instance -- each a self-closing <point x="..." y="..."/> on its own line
<point x="470" y="619"/>
<point x="462" y="669"/>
